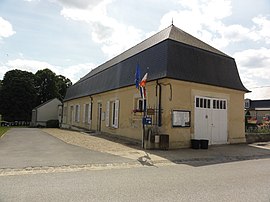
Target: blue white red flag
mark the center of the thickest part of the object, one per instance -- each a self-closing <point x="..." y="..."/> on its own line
<point x="143" y="81"/>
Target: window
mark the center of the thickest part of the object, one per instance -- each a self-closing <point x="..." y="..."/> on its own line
<point x="65" y="111"/>
<point x="247" y="103"/>
<point x="197" y="102"/>
<point x="138" y="105"/>
<point x="210" y="103"/>
<point x="112" y="113"/>
<point x="219" y="104"/>
<point x="87" y="113"/>
<point x="203" y="103"/>
<point x="71" y="117"/>
<point x="77" y="113"/>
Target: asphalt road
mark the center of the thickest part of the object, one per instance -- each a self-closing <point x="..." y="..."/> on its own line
<point x="29" y="147"/>
<point x="238" y="181"/>
<point x="35" y="166"/>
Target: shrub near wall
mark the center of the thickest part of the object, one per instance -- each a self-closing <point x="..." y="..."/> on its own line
<point x="257" y="137"/>
<point x="52" y="124"/>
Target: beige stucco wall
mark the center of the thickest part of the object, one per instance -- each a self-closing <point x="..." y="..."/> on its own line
<point x="181" y="98"/>
<point x="184" y="99"/>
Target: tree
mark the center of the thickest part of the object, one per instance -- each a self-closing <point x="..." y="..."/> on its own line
<point x="21" y="91"/>
<point x="49" y="85"/>
<point x="62" y="84"/>
<point x="17" y="95"/>
<point x="45" y="84"/>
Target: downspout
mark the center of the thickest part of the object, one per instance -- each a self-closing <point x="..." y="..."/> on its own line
<point x="36" y="117"/>
<point x="91" y="100"/>
<point x="62" y="114"/>
<point x="159" y="104"/>
<point x="159" y="100"/>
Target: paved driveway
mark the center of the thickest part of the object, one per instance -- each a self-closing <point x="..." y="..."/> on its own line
<point x="28" y="147"/>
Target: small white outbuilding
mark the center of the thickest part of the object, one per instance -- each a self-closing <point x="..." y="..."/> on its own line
<point x="50" y="110"/>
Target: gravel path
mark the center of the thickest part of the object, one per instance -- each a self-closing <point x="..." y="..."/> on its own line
<point x="96" y="143"/>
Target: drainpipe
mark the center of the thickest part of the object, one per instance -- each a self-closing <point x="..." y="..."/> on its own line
<point x="62" y="114"/>
<point x="159" y="104"/>
<point x="91" y="100"/>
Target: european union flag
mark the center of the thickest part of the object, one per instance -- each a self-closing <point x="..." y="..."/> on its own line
<point x="137" y="76"/>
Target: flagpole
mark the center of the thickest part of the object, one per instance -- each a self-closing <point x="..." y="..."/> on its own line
<point x="144" y="116"/>
<point x="141" y="86"/>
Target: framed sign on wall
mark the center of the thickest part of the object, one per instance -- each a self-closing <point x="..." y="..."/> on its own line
<point x="180" y="118"/>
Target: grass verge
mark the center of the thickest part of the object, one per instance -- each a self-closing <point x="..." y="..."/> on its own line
<point x="3" y="130"/>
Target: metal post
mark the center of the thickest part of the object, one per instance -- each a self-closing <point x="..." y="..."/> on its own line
<point x="144" y="116"/>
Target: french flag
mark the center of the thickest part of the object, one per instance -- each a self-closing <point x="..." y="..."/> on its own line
<point x="142" y="86"/>
<point x="143" y="81"/>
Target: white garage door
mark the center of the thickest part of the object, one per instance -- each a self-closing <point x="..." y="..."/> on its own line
<point x="210" y="119"/>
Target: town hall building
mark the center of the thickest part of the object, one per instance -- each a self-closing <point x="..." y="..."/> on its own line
<point x="193" y="91"/>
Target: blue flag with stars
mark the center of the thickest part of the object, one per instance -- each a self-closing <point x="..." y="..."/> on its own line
<point x="137" y="76"/>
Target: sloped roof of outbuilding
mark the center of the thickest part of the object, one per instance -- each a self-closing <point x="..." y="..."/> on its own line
<point x="48" y="101"/>
<point x="158" y="56"/>
<point x="257" y="104"/>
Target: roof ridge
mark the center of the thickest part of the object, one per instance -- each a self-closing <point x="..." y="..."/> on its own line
<point x="185" y="38"/>
<point x="170" y="32"/>
<point x="129" y="53"/>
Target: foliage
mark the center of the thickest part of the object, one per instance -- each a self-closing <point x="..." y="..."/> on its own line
<point x="45" y="84"/>
<point x="62" y="84"/>
<point x="21" y="91"/>
<point x="17" y="95"/>
<point x="52" y="124"/>
<point x="49" y="85"/>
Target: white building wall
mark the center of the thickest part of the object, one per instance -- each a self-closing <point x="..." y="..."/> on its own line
<point x="49" y="111"/>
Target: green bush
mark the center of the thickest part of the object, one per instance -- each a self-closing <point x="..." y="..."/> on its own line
<point x="52" y="124"/>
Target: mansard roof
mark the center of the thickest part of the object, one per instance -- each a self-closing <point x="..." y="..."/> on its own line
<point x="171" y="53"/>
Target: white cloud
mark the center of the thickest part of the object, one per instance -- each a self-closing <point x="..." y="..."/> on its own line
<point x="259" y="93"/>
<point x="28" y="65"/>
<point x="74" y="72"/>
<point x="78" y="3"/>
<point x="254" y="58"/>
<point x="113" y="36"/>
<point x="253" y="65"/>
<point x="205" y="21"/>
<point x="6" y="29"/>
<point x="263" y="28"/>
<point x="3" y="70"/>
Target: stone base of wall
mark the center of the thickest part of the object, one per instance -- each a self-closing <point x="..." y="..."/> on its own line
<point x="257" y="137"/>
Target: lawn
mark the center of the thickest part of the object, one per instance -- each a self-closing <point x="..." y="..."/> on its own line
<point x="3" y="130"/>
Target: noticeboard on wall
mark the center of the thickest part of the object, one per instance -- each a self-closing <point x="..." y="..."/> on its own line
<point x="180" y="118"/>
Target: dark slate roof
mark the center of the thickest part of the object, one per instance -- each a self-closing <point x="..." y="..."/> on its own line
<point x="259" y="104"/>
<point x="170" y="53"/>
